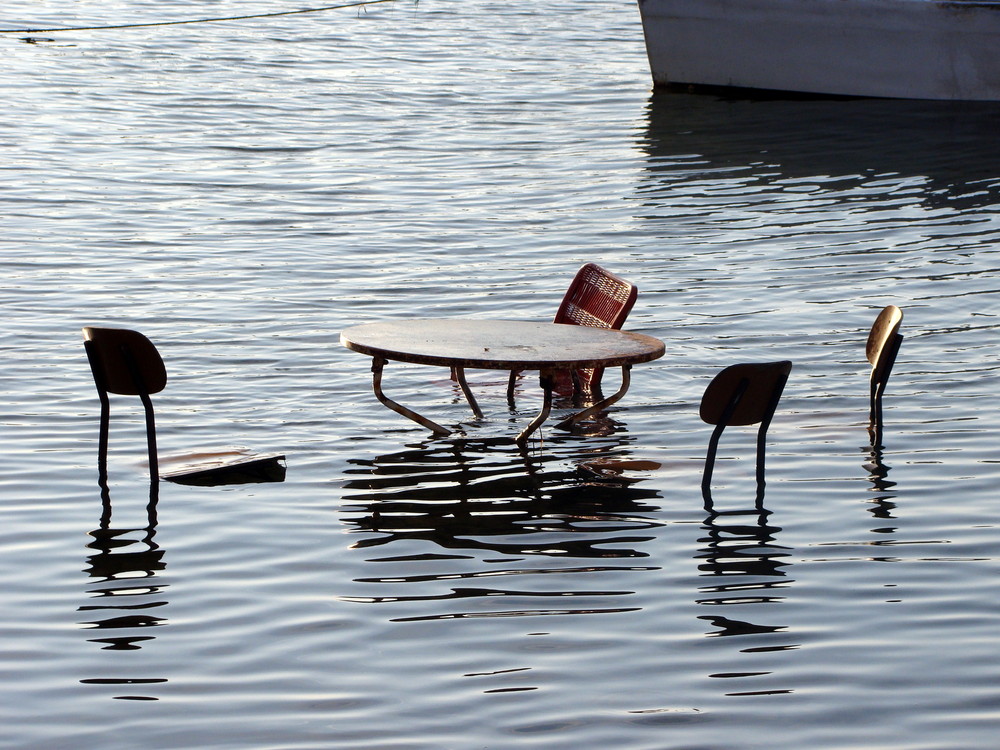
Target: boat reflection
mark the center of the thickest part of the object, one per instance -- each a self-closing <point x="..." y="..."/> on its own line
<point x="464" y="511"/>
<point x="950" y="148"/>
<point x="127" y="598"/>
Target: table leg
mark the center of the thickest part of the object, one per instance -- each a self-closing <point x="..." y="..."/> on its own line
<point x="600" y="405"/>
<point x="377" y="364"/>
<point x="460" y="377"/>
<point x="547" y="382"/>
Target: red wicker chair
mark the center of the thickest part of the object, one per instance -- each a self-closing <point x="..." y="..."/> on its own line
<point x="600" y="299"/>
<point x="596" y="298"/>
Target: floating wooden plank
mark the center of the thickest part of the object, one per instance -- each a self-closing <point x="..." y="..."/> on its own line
<point x="220" y="469"/>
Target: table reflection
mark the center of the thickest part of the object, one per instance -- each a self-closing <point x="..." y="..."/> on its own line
<point x="464" y="512"/>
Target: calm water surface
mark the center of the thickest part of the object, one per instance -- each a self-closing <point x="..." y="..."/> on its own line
<point x="243" y="191"/>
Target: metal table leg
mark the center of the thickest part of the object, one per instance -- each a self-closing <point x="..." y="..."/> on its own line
<point x="547" y="382"/>
<point x="460" y="377"/>
<point x="600" y="405"/>
<point x="377" y="364"/>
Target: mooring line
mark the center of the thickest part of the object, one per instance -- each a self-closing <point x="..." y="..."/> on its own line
<point x="359" y="3"/>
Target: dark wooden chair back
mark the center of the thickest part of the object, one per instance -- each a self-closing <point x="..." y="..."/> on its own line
<point x="742" y="394"/>
<point x="124" y="362"/>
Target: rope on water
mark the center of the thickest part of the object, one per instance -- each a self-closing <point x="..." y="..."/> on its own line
<point x="357" y="4"/>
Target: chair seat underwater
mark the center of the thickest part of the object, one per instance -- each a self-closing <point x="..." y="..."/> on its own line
<point x="125" y="362"/>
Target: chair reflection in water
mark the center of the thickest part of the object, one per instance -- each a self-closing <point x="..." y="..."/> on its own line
<point x="123" y="563"/>
<point x="125" y="362"/>
<point x="881" y="350"/>
<point x="743" y="394"/>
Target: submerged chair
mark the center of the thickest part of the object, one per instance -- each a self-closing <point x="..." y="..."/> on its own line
<point x="881" y="350"/>
<point x="127" y="363"/>
<point x="743" y="394"/>
<point x="597" y="298"/>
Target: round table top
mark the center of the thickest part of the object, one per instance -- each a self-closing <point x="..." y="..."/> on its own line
<point x="500" y="344"/>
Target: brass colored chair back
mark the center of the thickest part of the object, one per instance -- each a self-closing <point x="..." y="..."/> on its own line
<point x="881" y="350"/>
<point x="124" y="362"/>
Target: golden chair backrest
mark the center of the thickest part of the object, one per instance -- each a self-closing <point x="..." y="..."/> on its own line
<point x="884" y="329"/>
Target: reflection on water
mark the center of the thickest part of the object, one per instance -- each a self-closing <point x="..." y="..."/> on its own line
<point x="128" y="598"/>
<point x="952" y="149"/>
<point x="878" y="471"/>
<point x="246" y="225"/>
<point x="747" y="566"/>
<point x="498" y="511"/>
<point x="882" y="505"/>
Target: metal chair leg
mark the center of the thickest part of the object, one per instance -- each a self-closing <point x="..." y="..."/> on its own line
<point x="706" y="477"/>
<point x="105" y="425"/>
<point x="102" y="440"/>
<point x="713" y="443"/>
<point x="147" y="405"/>
<point x="511" y="382"/>
<point x="154" y="464"/>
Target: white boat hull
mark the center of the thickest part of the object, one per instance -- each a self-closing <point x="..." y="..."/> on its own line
<point x="911" y="49"/>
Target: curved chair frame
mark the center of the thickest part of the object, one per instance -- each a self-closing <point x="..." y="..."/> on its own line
<point x="742" y="394"/>
<point x="881" y="350"/>
<point x="125" y="362"/>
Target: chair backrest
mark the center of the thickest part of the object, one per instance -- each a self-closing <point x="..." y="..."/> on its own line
<point x="744" y="394"/>
<point x="597" y="298"/>
<point x="883" y="342"/>
<point x="124" y="362"/>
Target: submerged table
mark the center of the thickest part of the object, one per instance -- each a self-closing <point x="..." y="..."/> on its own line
<point x="510" y="345"/>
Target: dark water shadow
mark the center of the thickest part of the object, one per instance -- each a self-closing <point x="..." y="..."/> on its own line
<point x="471" y="511"/>
<point x="126" y="598"/>
<point x="953" y="146"/>
<point x="882" y="505"/>
<point x="458" y="493"/>
<point x="743" y="572"/>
